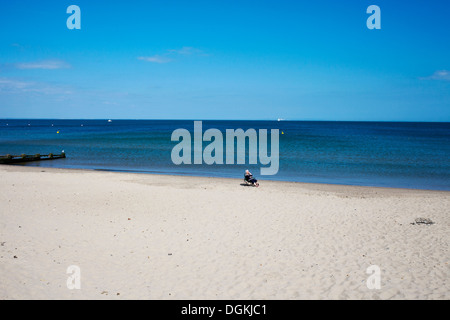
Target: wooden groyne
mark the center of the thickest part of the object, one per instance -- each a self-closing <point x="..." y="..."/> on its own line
<point x="10" y="159"/>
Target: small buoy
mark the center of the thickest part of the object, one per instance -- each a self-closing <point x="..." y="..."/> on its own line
<point x="57" y="131"/>
<point x="282" y="132"/>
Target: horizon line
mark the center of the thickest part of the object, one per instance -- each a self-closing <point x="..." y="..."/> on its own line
<point x="274" y="120"/>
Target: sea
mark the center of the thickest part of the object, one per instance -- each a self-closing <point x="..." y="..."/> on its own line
<point x="414" y="155"/>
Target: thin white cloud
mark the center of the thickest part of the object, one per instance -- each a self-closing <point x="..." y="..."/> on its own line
<point x="171" y="54"/>
<point x="10" y="84"/>
<point x="439" y="75"/>
<point x="46" y="64"/>
<point x="186" y="51"/>
<point x="110" y="103"/>
<point x="156" y="59"/>
<point x="13" y="86"/>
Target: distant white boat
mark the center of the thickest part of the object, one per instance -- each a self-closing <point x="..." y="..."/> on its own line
<point x="109" y="120"/>
<point x="280" y="119"/>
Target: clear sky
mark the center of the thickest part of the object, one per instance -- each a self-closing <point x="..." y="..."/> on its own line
<point x="246" y="59"/>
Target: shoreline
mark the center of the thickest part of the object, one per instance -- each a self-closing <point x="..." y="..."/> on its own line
<point x="331" y="185"/>
<point x="148" y="236"/>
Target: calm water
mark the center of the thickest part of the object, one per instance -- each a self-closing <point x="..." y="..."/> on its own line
<point x="411" y="155"/>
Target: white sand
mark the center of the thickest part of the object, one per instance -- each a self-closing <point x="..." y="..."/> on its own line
<point x="166" y="237"/>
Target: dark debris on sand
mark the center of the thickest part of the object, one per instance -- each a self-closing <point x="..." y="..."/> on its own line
<point x="425" y="221"/>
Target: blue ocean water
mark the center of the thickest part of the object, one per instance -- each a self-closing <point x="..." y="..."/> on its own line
<point x="385" y="154"/>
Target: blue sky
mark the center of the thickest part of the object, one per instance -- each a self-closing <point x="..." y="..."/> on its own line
<point x="297" y="60"/>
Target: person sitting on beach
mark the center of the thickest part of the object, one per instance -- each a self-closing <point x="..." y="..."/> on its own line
<point x="249" y="178"/>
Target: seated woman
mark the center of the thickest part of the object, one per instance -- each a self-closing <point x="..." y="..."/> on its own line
<point x="249" y="178"/>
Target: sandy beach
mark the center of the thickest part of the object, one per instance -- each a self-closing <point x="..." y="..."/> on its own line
<point x="140" y="236"/>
